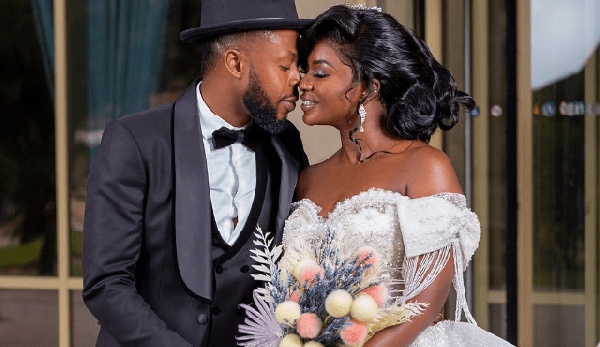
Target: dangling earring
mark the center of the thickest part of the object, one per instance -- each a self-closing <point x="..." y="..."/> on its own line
<point x="362" y="114"/>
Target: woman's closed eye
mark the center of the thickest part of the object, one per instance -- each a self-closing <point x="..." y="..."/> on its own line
<point x="320" y="74"/>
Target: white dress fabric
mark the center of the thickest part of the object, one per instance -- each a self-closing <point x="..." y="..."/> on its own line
<point x="414" y="238"/>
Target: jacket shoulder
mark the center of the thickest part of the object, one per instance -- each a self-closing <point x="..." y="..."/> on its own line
<point x="156" y="121"/>
<point x="289" y="132"/>
<point x="158" y="114"/>
<point x="290" y="138"/>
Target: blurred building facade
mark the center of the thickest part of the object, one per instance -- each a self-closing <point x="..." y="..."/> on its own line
<point x="528" y="156"/>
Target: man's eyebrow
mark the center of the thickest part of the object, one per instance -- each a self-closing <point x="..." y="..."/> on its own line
<point x="288" y="55"/>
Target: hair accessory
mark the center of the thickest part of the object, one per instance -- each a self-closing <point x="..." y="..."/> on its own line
<point x="364" y="7"/>
<point x="219" y="17"/>
<point x="362" y="114"/>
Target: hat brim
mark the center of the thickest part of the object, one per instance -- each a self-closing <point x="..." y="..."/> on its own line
<point x="201" y="34"/>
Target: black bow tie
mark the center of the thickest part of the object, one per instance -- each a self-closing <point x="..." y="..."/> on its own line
<point x="224" y="137"/>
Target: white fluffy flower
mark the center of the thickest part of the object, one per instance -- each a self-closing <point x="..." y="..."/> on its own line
<point x="338" y="303"/>
<point x="364" y="308"/>
<point x="287" y="312"/>
<point x="291" y="340"/>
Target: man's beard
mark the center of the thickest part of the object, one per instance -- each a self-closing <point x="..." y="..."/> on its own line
<point x="261" y="110"/>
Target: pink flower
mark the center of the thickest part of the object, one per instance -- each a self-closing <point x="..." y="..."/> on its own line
<point x="369" y="256"/>
<point x="354" y="333"/>
<point x="308" y="274"/>
<point x="378" y="292"/>
<point x="309" y="325"/>
<point x="296" y="295"/>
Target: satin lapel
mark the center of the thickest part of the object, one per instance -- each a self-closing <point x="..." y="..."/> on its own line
<point x="289" y="176"/>
<point x="192" y="197"/>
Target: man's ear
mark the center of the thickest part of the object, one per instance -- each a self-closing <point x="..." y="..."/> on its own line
<point x="234" y="61"/>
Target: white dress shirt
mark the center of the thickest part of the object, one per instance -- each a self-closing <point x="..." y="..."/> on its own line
<point x="231" y="175"/>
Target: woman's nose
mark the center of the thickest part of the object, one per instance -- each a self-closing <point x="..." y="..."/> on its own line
<point x="305" y="84"/>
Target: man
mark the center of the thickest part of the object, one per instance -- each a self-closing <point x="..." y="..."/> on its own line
<point x="172" y="207"/>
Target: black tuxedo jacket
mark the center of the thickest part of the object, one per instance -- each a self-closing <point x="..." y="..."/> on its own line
<point x="147" y="266"/>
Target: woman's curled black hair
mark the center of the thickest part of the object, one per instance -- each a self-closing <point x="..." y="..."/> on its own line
<point x="417" y="91"/>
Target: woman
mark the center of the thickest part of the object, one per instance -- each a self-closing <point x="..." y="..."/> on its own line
<point x="380" y="86"/>
<point x="381" y="228"/>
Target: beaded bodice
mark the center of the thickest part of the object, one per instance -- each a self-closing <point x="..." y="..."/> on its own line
<point x="369" y="218"/>
<point x="398" y="227"/>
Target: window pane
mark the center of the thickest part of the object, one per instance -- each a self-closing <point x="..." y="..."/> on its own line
<point x="564" y="39"/>
<point x="28" y="318"/>
<point x="497" y="319"/>
<point x="497" y="170"/>
<point x="558" y="326"/>
<point x="27" y="151"/>
<point x="559" y="142"/>
<point x="85" y="326"/>
<point x="125" y="57"/>
<point x="497" y="145"/>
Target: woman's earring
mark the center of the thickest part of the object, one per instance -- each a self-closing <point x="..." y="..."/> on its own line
<point x="362" y="114"/>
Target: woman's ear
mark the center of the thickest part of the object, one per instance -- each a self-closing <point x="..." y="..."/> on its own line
<point x="365" y="96"/>
<point x="233" y="62"/>
<point x="375" y="87"/>
<point x="364" y="92"/>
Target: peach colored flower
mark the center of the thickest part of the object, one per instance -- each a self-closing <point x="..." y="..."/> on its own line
<point x="309" y="325"/>
<point x="308" y="274"/>
<point x="354" y="333"/>
<point x="370" y="256"/>
<point x="378" y="292"/>
<point x="296" y="295"/>
<point x="301" y="264"/>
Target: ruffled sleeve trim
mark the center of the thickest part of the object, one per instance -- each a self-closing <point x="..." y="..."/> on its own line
<point x="433" y="222"/>
<point x="432" y="227"/>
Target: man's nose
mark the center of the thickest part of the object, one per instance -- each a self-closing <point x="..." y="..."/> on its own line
<point x="295" y="77"/>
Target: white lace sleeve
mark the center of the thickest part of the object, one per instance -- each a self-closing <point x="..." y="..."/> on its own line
<point x="431" y="228"/>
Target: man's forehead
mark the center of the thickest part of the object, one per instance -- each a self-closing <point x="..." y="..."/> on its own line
<point x="284" y="35"/>
<point x="280" y="46"/>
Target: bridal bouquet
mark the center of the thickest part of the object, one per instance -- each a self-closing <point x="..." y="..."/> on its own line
<point x="319" y="299"/>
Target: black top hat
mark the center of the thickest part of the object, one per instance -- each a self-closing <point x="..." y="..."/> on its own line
<point x="219" y="17"/>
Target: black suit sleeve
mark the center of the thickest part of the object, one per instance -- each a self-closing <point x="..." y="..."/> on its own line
<point x="112" y="241"/>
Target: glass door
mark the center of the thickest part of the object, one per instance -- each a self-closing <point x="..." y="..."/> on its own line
<point x="535" y="163"/>
<point x="565" y="37"/>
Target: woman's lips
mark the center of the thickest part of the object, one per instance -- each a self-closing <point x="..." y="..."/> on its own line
<point x="307" y="105"/>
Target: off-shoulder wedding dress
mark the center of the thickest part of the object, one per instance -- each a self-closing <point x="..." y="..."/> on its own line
<point x="402" y="230"/>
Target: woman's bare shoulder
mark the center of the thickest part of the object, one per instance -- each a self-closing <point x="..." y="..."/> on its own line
<point x="430" y="172"/>
<point x="311" y="176"/>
